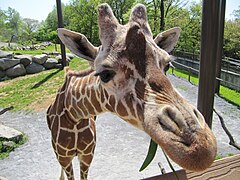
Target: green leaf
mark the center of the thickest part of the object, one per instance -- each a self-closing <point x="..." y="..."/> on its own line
<point x="151" y="153"/>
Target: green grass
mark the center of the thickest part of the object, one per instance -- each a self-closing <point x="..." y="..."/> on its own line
<point x="4" y="152"/>
<point x="40" y="51"/>
<point x="228" y="94"/>
<point x="34" y="91"/>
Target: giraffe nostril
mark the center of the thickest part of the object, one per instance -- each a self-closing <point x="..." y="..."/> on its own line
<point x="195" y="112"/>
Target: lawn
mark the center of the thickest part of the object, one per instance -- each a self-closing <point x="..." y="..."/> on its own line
<point x="35" y="92"/>
<point x="228" y="94"/>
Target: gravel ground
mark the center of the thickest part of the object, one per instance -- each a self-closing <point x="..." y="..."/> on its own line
<point x="120" y="149"/>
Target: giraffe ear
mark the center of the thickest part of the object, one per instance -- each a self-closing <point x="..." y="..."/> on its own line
<point x="167" y="40"/>
<point x="78" y="44"/>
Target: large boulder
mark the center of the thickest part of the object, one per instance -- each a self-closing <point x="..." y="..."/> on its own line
<point x="24" y="59"/>
<point x="70" y="55"/>
<point x="50" y="63"/>
<point x="6" y="63"/>
<point x="4" y="54"/>
<point x="18" y="70"/>
<point x="34" y="68"/>
<point x="2" y="74"/>
<point x="40" y="59"/>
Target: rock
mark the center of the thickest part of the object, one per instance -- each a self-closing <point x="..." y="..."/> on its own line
<point x="59" y="66"/>
<point x="15" y="71"/>
<point x="7" y="146"/>
<point x="10" y="134"/>
<point x="54" y="53"/>
<point x="40" y="59"/>
<point x="24" y="59"/>
<point x="2" y="74"/>
<point x="4" y="54"/>
<point x="70" y="55"/>
<point x="6" y="63"/>
<point x="50" y="63"/>
<point x="34" y="68"/>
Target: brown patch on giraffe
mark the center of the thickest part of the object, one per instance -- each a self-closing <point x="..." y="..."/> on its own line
<point x="136" y="48"/>
<point x="89" y="106"/>
<point x="78" y="94"/>
<point x="65" y="120"/>
<point x="105" y="94"/>
<point x="55" y="127"/>
<point x="80" y="105"/>
<point x="158" y="81"/>
<point x="130" y="105"/>
<point x="68" y="98"/>
<point x="60" y="150"/>
<point x="97" y="105"/>
<point x="121" y="109"/>
<point x="78" y="109"/>
<point x="74" y="113"/>
<point x="133" y="122"/>
<point x="66" y="139"/>
<point x="139" y="89"/>
<point x="71" y="153"/>
<point x="141" y="114"/>
<point x="112" y="101"/>
<point x="90" y="147"/>
<point x="59" y="103"/>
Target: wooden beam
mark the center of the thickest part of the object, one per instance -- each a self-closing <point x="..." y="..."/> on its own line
<point x="208" y="58"/>
<point x="220" y="43"/>
<point x="224" y="169"/>
<point x="60" y="25"/>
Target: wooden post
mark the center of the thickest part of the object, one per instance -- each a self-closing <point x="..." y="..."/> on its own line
<point x="60" y="25"/>
<point x="208" y="58"/>
<point x="220" y="44"/>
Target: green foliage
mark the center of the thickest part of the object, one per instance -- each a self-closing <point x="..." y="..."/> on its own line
<point x="231" y="39"/>
<point x="150" y="155"/>
<point x="5" y="151"/>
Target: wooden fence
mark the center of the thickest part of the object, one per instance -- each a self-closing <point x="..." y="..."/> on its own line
<point x="224" y="169"/>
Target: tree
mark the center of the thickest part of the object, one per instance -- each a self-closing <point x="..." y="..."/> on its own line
<point x="231" y="46"/>
<point x="236" y="14"/>
<point x="13" y="20"/>
<point x="29" y="27"/>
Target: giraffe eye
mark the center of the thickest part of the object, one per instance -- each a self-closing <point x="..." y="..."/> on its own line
<point x="106" y="75"/>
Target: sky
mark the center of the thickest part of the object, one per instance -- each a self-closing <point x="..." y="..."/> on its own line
<point x="39" y="9"/>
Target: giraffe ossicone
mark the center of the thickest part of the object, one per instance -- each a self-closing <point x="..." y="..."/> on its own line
<point x="128" y="79"/>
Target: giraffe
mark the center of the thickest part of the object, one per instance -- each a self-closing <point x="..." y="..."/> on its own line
<point x="128" y="79"/>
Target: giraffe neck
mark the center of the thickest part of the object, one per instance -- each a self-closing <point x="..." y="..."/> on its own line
<point x="84" y="97"/>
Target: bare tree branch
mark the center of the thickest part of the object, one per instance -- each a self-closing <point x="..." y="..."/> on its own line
<point x="6" y="109"/>
<point x="232" y="141"/>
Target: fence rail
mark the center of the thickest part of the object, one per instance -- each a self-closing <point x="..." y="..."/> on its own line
<point x="229" y="67"/>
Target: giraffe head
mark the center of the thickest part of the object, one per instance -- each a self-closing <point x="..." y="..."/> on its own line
<point x="131" y="66"/>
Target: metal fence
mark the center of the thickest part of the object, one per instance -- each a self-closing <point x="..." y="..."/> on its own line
<point x="190" y="62"/>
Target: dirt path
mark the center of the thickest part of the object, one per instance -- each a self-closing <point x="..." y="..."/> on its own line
<point x="120" y="149"/>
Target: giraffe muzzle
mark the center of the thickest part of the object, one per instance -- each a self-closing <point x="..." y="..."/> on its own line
<point x="183" y="135"/>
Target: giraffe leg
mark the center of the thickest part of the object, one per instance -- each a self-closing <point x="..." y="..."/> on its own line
<point x="62" y="174"/>
<point x="85" y="161"/>
<point x="66" y="163"/>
